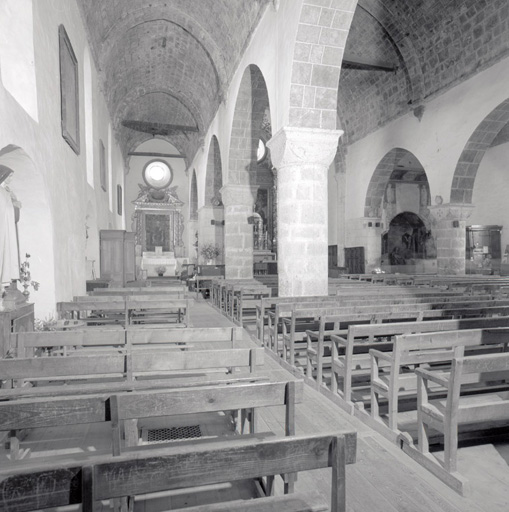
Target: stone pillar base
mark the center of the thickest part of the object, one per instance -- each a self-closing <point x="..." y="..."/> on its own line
<point x="449" y="228"/>
<point x="238" y="233"/>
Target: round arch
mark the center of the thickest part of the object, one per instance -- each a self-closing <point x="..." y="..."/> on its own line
<point x="35" y="226"/>
<point x="380" y="179"/>
<point x="321" y="78"/>
<point x="251" y="108"/>
<point x="214" y="177"/>
<point x="479" y="142"/>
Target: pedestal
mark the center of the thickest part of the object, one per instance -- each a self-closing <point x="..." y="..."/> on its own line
<point x="20" y="319"/>
<point x="302" y="157"/>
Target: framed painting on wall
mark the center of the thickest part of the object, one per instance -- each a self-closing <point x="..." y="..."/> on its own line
<point x="119" y="199"/>
<point x="69" y="91"/>
<point x="102" y="164"/>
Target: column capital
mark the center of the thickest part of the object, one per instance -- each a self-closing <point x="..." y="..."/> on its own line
<point x="450" y="211"/>
<point x="237" y="195"/>
<point x="292" y="146"/>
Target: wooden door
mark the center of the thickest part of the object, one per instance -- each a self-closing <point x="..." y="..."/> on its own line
<point x="354" y="260"/>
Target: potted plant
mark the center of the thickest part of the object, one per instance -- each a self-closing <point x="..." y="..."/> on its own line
<point x="25" y="278"/>
<point x="209" y="252"/>
<point x="160" y="270"/>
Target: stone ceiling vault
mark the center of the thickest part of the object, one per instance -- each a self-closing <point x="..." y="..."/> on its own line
<point x="167" y="62"/>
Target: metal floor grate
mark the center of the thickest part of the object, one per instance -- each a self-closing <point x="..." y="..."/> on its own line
<point x="163" y="435"/>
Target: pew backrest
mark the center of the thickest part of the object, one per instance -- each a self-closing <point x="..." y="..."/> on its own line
<point x="100" y="477"/>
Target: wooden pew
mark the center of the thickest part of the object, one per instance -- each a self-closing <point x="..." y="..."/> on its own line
<point x="416" y="349"/>
<point x="350" y="353"/>
<point x="125" y="372"/>
<point x="125" y="409"/>
<point x="175" y="291"/>
<point x="124" y="311"/>
<point x="447" y="416"/>
<point x="244" y="300"/>
<point x="279" y="307"/>
<point x="95" y="312"/>
<point x="308" y="321"/>
<point x="29" y="344"/>
<point x="94" y="478"/>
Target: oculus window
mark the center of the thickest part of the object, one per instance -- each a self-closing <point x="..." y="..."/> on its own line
<point x="157" y="174"/>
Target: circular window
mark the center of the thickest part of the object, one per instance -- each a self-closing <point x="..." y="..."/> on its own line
<point x="261" y="153"/>
<point x="157" y="174"/>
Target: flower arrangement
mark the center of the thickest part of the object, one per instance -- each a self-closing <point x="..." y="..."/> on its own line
<point x="210" y="251"/>
<point x="160" y="270"/>
<point x="47" y="324"/>
<point x="25" y="277"/>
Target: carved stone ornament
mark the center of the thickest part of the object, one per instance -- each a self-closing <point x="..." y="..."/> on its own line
<point x="158" y="199"/>
<point x="216" y="200"/>
<point x="236" y="195"/>
<point x="292" y="146"/>
<point x="451" y="211"/>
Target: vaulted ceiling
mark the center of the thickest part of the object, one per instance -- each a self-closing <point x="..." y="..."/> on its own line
<point x="432" y="44"/>
<point x="166" y="64"/>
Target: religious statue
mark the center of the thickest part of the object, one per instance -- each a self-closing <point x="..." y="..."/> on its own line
<point x="9" y="261"/>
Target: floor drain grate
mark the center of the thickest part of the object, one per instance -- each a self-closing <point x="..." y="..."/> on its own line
<point x="163" y="435"/>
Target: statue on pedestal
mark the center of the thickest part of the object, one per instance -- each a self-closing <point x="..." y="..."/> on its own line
<point x="9" y="260"/>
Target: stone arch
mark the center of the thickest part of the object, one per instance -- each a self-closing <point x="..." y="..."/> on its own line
<point x="250" y="111"/>
<point x="318" y="53"/>
<point x="35" y="226"/>
<point x="380" y="179"/>
<point x="214" y="178"/>
<point x="466" y="169"/>
<point x="193" y="202"/>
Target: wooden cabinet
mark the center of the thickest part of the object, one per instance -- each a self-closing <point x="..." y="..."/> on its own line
<point x="117" y="256"/>
<point x="20" y="319"/>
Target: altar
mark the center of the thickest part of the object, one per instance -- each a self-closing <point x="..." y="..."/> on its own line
<point x="153" y="262"/>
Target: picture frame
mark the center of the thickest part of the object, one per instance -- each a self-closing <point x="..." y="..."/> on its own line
<point x="102" y="165"/>
<point x="119" y="199"/>
<point x="69" y="91"/>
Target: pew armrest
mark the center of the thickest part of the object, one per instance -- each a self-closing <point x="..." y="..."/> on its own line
<point x="432" y="376"/>
<point x="339" y="339"/>
<point x="386" y="356"/>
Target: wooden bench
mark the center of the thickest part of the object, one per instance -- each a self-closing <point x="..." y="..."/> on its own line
<point x="29" y="344"/>
<point x="244" y="300"/>
<point x="109" y="372"/>
<point x="101" y="311"/>
<point x="167" y="291"/>
<point x="417" y="349"/>
<point x="449" y="415"/>
<point x="280" y="308"/>
<point x="124" y="311"/>
<point x="307" y="321"/>
<point x="94" y="478"/>
<point x="350" y="352"/>
<point x="125" y="409"/>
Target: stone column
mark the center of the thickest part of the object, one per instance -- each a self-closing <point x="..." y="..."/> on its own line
<point x="238" y="233"/>
<point x="211" y="228"/>
<point x="302" y="157"/>
<point x="448" y="222"/>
